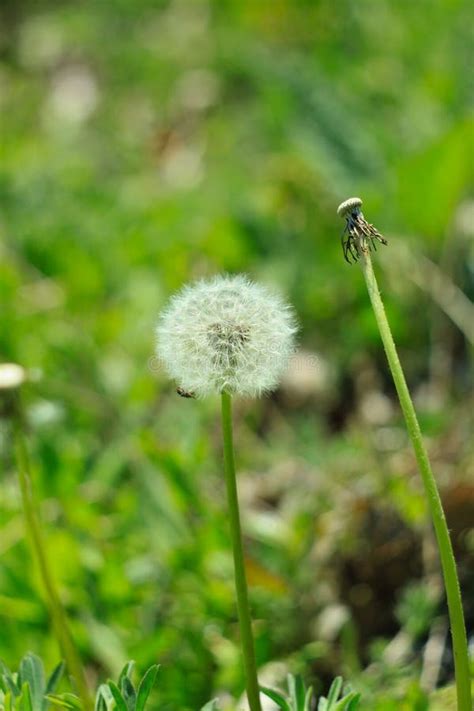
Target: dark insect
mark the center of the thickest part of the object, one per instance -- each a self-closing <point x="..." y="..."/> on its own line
<point x="184" y="393"/>
<point x="358" y="234"/>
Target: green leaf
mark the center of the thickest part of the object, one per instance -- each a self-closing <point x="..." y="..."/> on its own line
<point x="211" y="706"/>
<point x="126" y="672"/>
<point x="8" y="680"/>
<point x="334" y="692"/>
<point x="297" y="692"/>
<point x="65" y="701"/>
<point x="53" y="680"/>
<point x="353" y="703"/>
<point x="25" y="701"/>
<point x="8" y="701"/>
<point x="146" y="686"/>
<point x="32" y="671"/>
<point x="102" y="697"/>
<point x="128" y="693"/>
<point x="100" y="703"/>
<point x="4" y="672"/>
<point x="276" y="697"/>
<point x="308" y="699"/>
<point x="120" y="704"/>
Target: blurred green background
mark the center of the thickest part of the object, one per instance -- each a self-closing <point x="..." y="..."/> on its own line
<point x="145" y="144"/>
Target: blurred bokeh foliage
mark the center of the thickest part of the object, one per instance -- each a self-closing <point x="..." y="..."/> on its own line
<point x="145" y="144"/>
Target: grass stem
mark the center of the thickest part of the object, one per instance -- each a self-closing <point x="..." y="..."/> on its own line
<point x="248" y="651"/>
<point x="448" y="563"/>
<point x="33" y="526"/>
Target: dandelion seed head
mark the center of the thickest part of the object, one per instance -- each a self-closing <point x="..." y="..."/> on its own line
<point x="12" y="376"/>
<point x="226" y="333"/>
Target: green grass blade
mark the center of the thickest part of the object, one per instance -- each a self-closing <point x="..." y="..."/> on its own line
<point x="102" y="695"/>
<point x="8" y="703"/>
<point x="353" y="703"/>
<point x="308" y="699"/>
<point x="7" y="681"/>
<point x="65" y="701"/>
<point x="118" y="698"/>
<point x="12" y="686"/>
<point x="25" y="701"/>
<point x="276" y="697"/>
<point x="126" y="672"/>
<point x="297" y="692"/>
<point x="334" y="692"/>
<point x="128" y="692"/>
<point x="53" y="682"/>
<point x="146" y="686"/>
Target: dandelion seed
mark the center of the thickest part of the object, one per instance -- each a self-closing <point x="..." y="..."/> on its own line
<point x="358" y="235"/>
<point x="11" y="376"/>
<point x="226" y="334"/>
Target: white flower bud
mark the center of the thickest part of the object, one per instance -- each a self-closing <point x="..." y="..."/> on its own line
<point x="228" y="334"/>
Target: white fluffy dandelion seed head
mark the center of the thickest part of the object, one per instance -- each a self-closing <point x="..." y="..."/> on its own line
<point x="12" y="376"/>
<point x="226" y="333"/>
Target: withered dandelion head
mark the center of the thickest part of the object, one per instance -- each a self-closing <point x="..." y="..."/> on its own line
<point x="358" y="235"/>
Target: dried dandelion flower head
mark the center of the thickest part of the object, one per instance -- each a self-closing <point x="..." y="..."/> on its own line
<point x="359" y="235"/>
<point x="226" y="334"/>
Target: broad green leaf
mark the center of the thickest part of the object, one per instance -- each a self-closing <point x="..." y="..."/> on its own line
<point x="146" y="686"/>
<point x="438" y="175"/>
<point x="276" y="697"/>
<point x="120" y="704"/>
<point x="32" y="671"/>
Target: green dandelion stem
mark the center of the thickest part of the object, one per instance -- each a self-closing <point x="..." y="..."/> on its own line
<point x="33" y="526"/>
<point x="448" y="563"/>
<point x="248" y="651"/>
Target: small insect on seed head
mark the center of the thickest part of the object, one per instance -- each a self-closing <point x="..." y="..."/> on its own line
<point x="358" y="235"/>
<point x="185" y="393"/>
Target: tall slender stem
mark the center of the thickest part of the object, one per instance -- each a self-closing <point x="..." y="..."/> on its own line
<point x="448" y="563"/>
<point x="248" y="651"/>
<point x="57" y="612"/>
